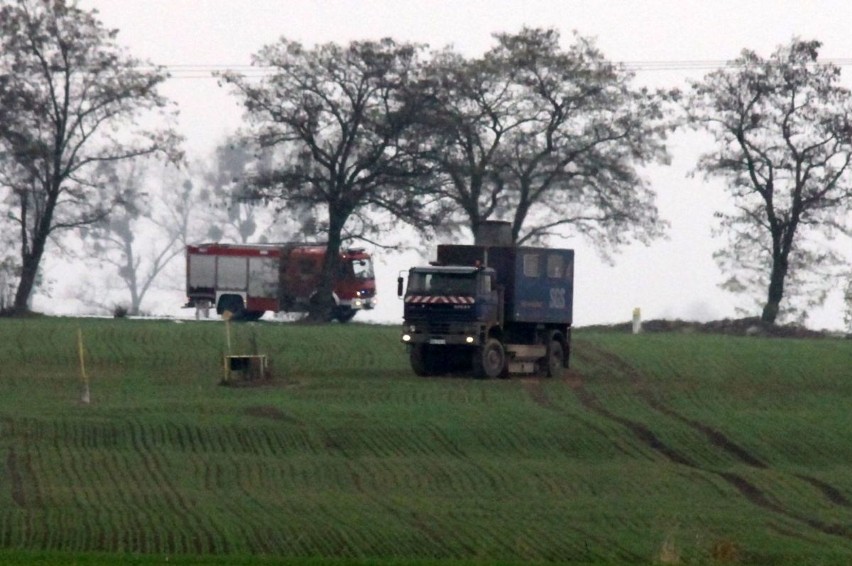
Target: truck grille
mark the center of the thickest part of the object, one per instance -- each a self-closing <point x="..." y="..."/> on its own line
<point x="438" y="315"/>
<point x="437" y="327"/>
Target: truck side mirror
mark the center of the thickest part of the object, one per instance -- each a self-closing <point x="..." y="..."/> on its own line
<point x="399" y="286"/>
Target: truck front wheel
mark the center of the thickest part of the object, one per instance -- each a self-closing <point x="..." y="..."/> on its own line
<point x="490" y="359"/>
<point x="423" y="361"/>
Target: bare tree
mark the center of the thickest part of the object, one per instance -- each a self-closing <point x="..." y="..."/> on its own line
<point x="470" y="108"/>
<point x="546" y="137"/>
<point x="783" y="144"/>
<point x="70" y="99"/>
<point x="225" y="177"/>
<point x="7" y="282"/>
<point x="234" y="212"/>
<point x="142" y="236"/>
<point x="340" y="118"/>
<point x="10" y="260"/>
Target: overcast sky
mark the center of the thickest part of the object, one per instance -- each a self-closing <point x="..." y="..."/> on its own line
<point x="667" y="42"/>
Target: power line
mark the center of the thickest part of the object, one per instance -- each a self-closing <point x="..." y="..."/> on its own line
<point x="707" y="64"/>
<point x="206" y="71"/>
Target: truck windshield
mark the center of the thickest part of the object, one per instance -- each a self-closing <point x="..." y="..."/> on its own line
<point x="362" y="268"/>
<point x="442" y="283"/>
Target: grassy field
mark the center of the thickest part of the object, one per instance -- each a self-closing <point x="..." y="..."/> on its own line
<point x="663" y="448"/>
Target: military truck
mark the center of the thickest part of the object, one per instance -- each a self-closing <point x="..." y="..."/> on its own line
<point x="491" y="308"/>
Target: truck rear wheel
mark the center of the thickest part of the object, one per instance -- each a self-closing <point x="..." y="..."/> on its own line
<point x="490" y="359"/>
<point x="232" y="304"/>
<point x="555" y="359"/>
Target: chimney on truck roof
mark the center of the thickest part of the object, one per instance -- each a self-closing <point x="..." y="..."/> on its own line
<point x="494" y="233"/>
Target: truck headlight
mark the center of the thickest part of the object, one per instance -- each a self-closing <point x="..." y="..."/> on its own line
<point x="469" y="339"/>
<point x="406" y="338"/>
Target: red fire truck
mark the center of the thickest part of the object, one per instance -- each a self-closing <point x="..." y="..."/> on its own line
<point x="249" y="279"/>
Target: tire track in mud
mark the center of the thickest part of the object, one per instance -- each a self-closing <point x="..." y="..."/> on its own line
<point x="716" y="438"/>
<point x="639" y="430"/>
<point x="445" y="442"/>
<point x="30" y="500"/>
<point x="18" y="494"/>
<point x="751" y="492"/>
<point x="829" y="491"/>
<point x="535" y="389"/>
<point x="19" y="469"/>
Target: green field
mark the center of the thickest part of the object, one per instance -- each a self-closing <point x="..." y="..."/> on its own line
<point x="658" y="448"/>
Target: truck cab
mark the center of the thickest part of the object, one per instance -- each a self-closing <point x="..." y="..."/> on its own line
<point x="464" y="298"/>
<point x="449" y="312"/>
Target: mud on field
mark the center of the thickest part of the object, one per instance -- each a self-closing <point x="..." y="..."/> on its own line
<point x="750" y="326"/>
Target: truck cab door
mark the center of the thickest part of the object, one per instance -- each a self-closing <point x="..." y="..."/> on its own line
<point x="488" y="299"/>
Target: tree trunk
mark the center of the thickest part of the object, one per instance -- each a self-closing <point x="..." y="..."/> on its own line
<point x="132" y="283"/>
<point x="321" y="308"/>
<point x="770" y="312"/>
<point x="31" y="259"/>
<point x="135" y="302"/>
<point x="25" y="287"/>
<point x="29" y="272"/>
<point x="776" y="289"/>
<point x="32" y="249"/>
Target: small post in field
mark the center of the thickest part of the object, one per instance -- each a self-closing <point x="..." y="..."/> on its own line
<point x="637" y="320"/>
<point x="83" y="376"/>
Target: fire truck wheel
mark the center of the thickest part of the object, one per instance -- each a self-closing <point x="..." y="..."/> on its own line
<point x="555" y="356"/>
<point x="251" y="316"/>
<point x="490" y="359"/>
<point x="233" y="304"/>
<point x="344" y="314"/>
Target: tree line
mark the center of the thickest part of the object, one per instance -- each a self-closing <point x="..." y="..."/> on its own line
<point x="345" y="142"/>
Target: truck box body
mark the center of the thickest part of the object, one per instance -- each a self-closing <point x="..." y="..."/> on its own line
<point x="538" y="283"/>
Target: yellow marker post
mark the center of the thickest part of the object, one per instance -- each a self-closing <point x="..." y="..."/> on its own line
<point x="83" y="376"/>
<point x="226" y="315"/>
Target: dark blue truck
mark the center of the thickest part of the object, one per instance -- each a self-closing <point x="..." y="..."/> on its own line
<point x="490" y="309"/>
